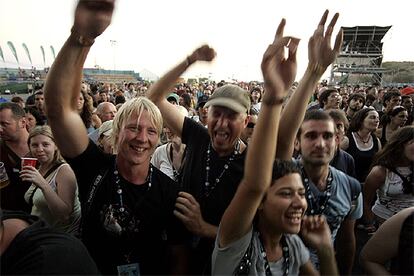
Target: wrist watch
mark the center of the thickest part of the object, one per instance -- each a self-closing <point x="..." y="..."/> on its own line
<point x="82" y="40"/>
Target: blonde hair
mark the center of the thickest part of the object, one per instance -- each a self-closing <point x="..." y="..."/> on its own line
<point x="132" y="107"/>
<point x="46" y="131"/>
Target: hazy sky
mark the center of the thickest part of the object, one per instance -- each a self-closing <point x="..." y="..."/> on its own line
<point x="155" y="34"/>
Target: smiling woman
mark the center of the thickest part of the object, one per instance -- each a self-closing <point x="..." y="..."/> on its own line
<point x="53" y="193"/>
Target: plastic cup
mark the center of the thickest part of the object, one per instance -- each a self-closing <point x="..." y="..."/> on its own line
<point x="26" y="161"/>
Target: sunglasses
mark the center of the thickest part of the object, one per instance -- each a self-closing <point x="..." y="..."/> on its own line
<point x="251" y="125"/>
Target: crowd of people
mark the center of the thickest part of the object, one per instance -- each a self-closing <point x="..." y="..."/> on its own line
<point x="251" y="178"/>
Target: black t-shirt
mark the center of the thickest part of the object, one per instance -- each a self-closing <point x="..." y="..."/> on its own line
<point x="12" y="196"/>
<point x="39" y="250"/>
<point x="197" y="139"/>
<point x="344" y="162"/>
<point x="149" y="227"/>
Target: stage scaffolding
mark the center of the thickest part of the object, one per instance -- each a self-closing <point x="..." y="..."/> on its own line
<point x="361" y="54"/>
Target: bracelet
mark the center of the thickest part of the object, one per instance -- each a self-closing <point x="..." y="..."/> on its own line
<point x="82" y="40"/>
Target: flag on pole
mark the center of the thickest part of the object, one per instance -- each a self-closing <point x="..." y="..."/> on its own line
<point x="27" y="52"/>
<point x="13" y="49"/>
<point x="53" y="51"/>
<point x="1" y="54"/>
<point x="43" y="55"/>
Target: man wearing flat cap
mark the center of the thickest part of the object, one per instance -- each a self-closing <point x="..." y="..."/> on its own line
<point x="214" y="160"/>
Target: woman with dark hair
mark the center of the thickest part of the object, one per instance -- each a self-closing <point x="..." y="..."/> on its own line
<point x="256" y="98"/>
<point x="393" y="120"/>
<point x="85" y="109"/>
<point x="363" y="144"/>
<point x="391" y="177"/>
<point x="53" y="193"/>
<point x="187" y="102"/>
<point x="33" y="118"/>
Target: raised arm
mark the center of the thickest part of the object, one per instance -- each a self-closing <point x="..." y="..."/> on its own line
<point x="278" y="73"/>
<point x="63" y="81"/>
<point x="158" y="92"/>
<point x="383" y="245"/>
<point x="320" y="55"/>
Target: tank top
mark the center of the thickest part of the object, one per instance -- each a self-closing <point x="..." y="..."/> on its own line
<point x="390" y="196"/>
<point x="362" y="157"/>
<point x="40" y="207"/>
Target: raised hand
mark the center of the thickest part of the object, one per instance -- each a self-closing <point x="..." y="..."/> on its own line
<point x="92" y="17"/>
<point x="315" y="232"/>
<point x="279" y="72"/>
<point x="203" y="53"/>
<point x="320" y="52"/>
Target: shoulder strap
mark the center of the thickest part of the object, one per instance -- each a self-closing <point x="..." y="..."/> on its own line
<point x="49" y="172"/>
<point x="408" y="185"/>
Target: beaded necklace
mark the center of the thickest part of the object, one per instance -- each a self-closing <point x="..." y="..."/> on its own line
<point x="362" y="140"/>
<point x="317" y="205"/>
<point x="209" y="187"/>
<point x="285" y="251"/>
<point x="246" y="262"/>
<point x="119" y="191"/>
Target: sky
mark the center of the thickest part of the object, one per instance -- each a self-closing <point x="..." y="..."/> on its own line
<point x="154" y="35"/>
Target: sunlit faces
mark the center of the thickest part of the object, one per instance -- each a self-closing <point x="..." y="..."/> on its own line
<point x="317" y="142"/>
<point x="84" y="87"/>
<point x="202" y="114"/>
<point x="409" y="150"/>
<point x="81" y="102"/>
<point x="255" y="96"/>
<point x="225" y="127"/>
<point x="407" y="103"/>
<point x="43" y="148"/>
<point x="30" y="121"/>
<point x="371" y="121"/>
<point x="284" y="204"/>
<point x="39" y="101"/>
<point x="393" y="102"/>
<point x="247" y="133"/>
<point x="356" y="104"/>
<point x="138" y="139"/>
<point x="103" y="97"/>
<point x="9" y="126"/>
<point x="108" y="112"/>
<point x="333" y="101"/>
<point x="400" y="118"/>
<point x="340" y="130"/>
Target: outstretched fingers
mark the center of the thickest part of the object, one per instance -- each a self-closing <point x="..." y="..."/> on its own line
<point x="276" y="49"/>
<point x="279" y="31"/>
<point x="338" y="41"/>
<point x="329" y="29"/>
<point x="293" y="47"/>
